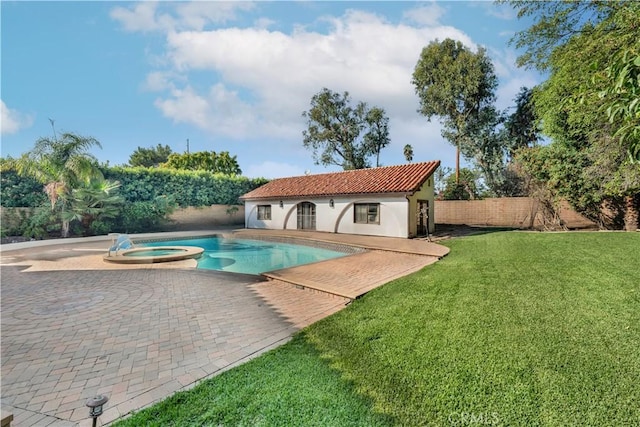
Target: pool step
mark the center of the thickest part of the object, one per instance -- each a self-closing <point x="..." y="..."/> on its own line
<point x="309" y="287"/>
<point x="352" y="276"/>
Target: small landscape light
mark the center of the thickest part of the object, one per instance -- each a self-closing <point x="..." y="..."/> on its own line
<point x="96" y="405"/>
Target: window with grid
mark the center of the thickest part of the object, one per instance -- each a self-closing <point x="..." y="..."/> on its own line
<point x="366" y="213"/>
<point x="264" y="212"/>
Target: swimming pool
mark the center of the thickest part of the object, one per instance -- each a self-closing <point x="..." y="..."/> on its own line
<point x="249" y="256"/>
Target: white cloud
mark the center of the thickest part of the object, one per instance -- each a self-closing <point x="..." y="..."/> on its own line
<point x="511" y="77"/>
<point x="428" y="14"/>
<point x="147" y="16"/>
<point x="185" y="105"/>
<point x="142" y="17"/>
<point x="196" y="15"/>
<point x="220" y="111"/>
<point x="157" y="81"/>
<point x="264" y="23"/>
<point x="12" y="120"/>
<point x="271" y="170"/>
<point x="253" y="83"/>
<point x="362" y="53"/>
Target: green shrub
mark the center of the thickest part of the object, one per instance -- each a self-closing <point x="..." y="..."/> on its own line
<point x="43" y="223"/>
<point x="100" y="227"/>
<point x="18" y="191"/>
<point x="188" y="188"/>
<point x="14" y="221"/>
<point x="146" y="216"/>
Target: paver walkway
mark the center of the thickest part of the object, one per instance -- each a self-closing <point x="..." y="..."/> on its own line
<point x="74" y="326"/>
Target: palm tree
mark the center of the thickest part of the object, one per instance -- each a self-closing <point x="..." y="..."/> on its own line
<point x="408" y="152"/>
<point x="96" y="200"/>
<point x="61" y="164"/>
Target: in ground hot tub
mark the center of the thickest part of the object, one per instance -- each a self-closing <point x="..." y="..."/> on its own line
<point x="148" y="255"/>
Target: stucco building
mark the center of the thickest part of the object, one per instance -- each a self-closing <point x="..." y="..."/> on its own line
<point x="394" y="201"/>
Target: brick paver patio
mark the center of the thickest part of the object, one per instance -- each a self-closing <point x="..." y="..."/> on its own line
<point x="74" y="326"/>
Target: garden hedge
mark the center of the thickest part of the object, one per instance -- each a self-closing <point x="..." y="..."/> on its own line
<point x="187" y="188"/>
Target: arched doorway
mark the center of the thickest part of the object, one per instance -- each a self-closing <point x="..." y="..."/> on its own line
<point x="306" y="216"/>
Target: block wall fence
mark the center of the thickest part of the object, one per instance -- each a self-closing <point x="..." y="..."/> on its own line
<point x="513" y="212"/>
<point x="182" y="219"/>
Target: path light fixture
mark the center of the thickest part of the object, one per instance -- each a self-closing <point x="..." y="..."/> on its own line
<point x="96" y="405"/>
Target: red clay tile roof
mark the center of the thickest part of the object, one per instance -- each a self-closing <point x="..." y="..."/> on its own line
<point x="388" y="179"/>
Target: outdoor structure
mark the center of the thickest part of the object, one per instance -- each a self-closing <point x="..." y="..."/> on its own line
<point x="393" y="201"/>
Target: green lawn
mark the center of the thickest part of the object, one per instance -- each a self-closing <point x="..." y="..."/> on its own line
<point x="512" y="328"/>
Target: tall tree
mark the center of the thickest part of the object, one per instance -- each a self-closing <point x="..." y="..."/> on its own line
<point x="496" y="138"/>
<point x="487" y="147"/>
<point x="454" y="84"/>
<point x="61" y="164"/>
<point x="227" y="164"/>
<point x="377" y="136"/>
<point x="150" y="157"/>
<point x="342" y="135"/>
<point x="577" y="44"/>
<point x="521" y="127"/>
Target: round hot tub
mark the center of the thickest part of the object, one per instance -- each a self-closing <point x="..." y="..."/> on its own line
<point x="150" y="255"/>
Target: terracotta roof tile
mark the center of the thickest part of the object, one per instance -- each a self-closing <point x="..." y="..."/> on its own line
<point x="387" y="179"/>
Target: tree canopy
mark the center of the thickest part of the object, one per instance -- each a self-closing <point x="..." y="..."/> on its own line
<point x="408" y="152"/>
<point x="582" y="46"/>
<point x="343" y="135"/>
<point x="150" y="157"/>
<point x="62" y="164"/>
<point x="456" y="85"/>
<point x="209" y="161"/>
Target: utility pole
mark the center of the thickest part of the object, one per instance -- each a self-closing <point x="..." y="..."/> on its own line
<point x="187" y="145"/>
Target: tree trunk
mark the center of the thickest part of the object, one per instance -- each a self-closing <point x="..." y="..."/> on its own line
<point x="630" y="214"/>
<point x="65" y="228"/>
<point x="458" y="163"/>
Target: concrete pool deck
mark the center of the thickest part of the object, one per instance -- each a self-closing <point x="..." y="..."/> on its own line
<point x="74" y="326"/>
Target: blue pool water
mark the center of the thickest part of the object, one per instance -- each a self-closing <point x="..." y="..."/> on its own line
<point x="249" y="256"/>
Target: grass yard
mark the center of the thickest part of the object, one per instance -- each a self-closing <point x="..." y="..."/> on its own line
<point x="512" y="328"/>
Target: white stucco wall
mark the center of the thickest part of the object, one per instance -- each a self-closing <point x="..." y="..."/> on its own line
<point x="394" y="215"/>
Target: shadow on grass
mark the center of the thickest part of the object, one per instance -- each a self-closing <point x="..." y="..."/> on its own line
<point x="450" y="231"/>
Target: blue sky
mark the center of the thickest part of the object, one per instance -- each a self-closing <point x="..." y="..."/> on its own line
<point x="231" y="76"/>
